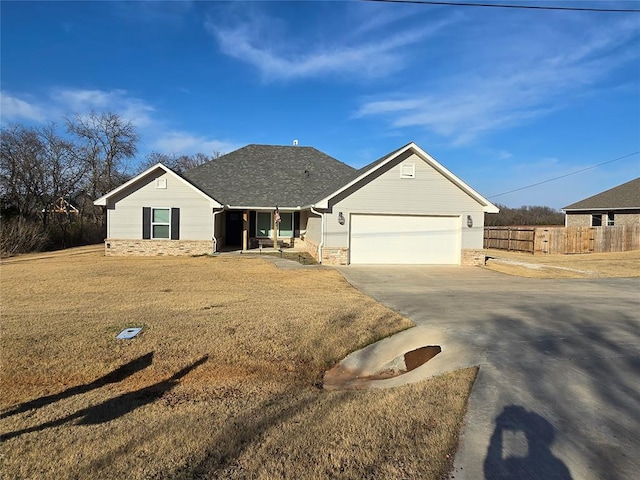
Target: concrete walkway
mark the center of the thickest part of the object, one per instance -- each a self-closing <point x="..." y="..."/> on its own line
<point x="558" y="392"/>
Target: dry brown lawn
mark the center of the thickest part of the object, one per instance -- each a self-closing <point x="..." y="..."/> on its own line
<point x="221" y="383"/>
<point x="623" y="264"/>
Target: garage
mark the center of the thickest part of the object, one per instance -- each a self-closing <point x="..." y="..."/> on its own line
<point x="405" y="239"/>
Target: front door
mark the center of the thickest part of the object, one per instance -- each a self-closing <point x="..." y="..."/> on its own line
<point x="233" y="231"/>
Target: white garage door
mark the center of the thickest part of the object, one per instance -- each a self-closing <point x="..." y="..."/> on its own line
<point x="403" y="239"/>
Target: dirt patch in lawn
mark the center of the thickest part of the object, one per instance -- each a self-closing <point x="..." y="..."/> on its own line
<point x="590" y="265"/>
<point x="418" y="357"/>
<point x="222" y="381"/>
<point x="303" y="258"/>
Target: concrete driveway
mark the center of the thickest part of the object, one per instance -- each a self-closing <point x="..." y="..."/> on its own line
<point x="558" y="392"/>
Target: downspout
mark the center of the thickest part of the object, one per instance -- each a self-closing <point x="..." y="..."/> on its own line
<point x="321" y="244"/>
<point x="213" y="236"/>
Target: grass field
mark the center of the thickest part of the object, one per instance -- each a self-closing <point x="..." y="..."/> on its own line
<point x="622" y="264"/>
<point x="223" y="381"/>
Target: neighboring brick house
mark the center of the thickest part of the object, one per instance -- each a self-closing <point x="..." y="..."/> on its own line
<point x="404" y="208"/>
<point x="617" y="206"/>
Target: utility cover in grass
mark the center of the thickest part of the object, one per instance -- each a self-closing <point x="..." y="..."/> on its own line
<point x="128" y="333"/>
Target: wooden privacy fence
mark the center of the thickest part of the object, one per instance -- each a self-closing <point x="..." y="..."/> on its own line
<point x="621" y="238"/>
<point x="519" y="239"/>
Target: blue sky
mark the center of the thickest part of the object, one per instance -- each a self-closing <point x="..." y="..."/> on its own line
<point x="503" y="98"/>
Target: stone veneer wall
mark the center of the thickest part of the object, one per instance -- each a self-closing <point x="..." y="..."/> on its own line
<point x="578" y="220"/>
<point x="116" y="247"/>
<point x="334" y="255"/>
<point x="308" y="246"/>
<point x="330" y="255"/>
<point x="472" y="257"/>
<point x="621" y="218"/>
<point x="632" y="218"/>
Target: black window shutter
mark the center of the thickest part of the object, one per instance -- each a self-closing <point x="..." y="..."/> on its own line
<point x="252" y="223"/>
<point x="146" y="222"/>
<point x="175" y="224"/>
<point x="296" y="224"/>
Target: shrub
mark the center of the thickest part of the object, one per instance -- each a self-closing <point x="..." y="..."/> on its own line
<point x="21" y="235"/>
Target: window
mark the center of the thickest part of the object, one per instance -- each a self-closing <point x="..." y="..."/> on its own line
<point x="610" y="219"/>
<point x="596" y="220"/>
<point x="160" y="223"/>
<point x="408" y="170"/>
<point x="263" y="224"/>
<point x="161" y="183"/>
<point x="285" y="229"/>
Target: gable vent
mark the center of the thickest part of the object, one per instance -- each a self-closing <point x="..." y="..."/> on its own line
<point x="408" y="170"/>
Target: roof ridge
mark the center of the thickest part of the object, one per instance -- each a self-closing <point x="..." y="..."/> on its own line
<point x="261" y="175"/>
<point x="272" y="145"/>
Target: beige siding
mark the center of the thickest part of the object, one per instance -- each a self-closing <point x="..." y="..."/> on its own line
<point x="304" y="215"/>
<point x="220" y="229"/>
<point x="429" y="193"/>
<point x="124" y="214"/>
<point x="314" y="229"/>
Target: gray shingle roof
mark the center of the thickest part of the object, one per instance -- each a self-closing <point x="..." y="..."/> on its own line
<point x="268" y="175"/>
<point x="626" y="195"/>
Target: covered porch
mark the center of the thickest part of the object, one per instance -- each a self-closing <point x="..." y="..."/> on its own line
<point x="256" y="229"/>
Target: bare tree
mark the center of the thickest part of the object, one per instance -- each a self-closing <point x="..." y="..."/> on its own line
<point x="66" y="169"/>
<point x="23" y="170"/>
<point x="178" y="163"/>
<point x="36" y="165"/>
<point x="107" y="141"/>
<point x="525" y="215"/>
<point x="37" y="168"/>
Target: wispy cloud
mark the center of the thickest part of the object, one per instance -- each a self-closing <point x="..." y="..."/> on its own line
<point x="80" y="101"/>
<point x="13" y="109"/>
<point x="62" y="102"/>
<point x="185" y="143"/>
<point x="504" y="155"/>
<point x="372" y="17"/>
<point x="366" y="52"/>
<point x="155" y="132"/>
<point x="520" y="73"/>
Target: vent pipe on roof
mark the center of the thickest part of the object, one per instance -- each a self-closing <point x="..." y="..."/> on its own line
<point x="295" y="143"/>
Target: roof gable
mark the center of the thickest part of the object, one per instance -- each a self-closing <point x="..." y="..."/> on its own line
<point x="370" y="169"/>
<point x="138" y="178"/>
<point x="263" y="176"/>
<point x="268" y="175"/>
<point x="625" y="196"/>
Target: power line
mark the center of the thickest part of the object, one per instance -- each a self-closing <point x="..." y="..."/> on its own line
<point x="495" y="5"/>
<point x="566" y="175"/>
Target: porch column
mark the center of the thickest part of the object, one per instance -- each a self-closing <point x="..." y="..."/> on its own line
<point x="245" y="230"/>
<point x="275" y="232"/>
